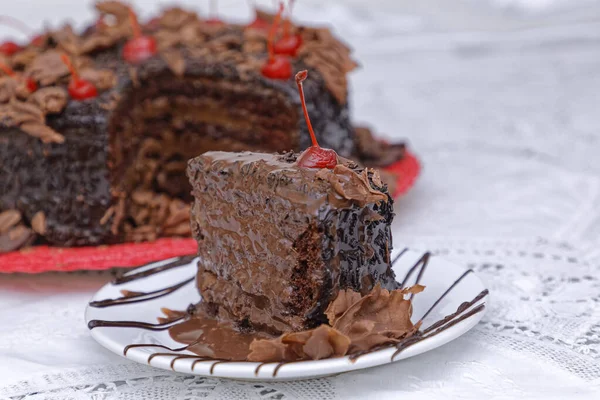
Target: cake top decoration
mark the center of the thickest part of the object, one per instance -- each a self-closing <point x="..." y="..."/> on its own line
<point x="141" y="47"/>
<point x="79" y="89"/>
<point x="277" y="66"/>
<point x="315" y="156"/>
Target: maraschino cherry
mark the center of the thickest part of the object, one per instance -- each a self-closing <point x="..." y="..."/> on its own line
<point x="9" y="48"/>
<point x="29" y="83"/>
<point x="276" y="67"/>
<point x="141" y="47"/>
<point x="79" y="89"/>
<point x="288" y="44"/>
<point x="315" y="156"/>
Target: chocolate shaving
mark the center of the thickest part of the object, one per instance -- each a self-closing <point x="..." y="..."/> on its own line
<point x="8" y="88"/>
<point x="323" y="52"/>
<point x="380" y="317"/>
<point x="9" y="219"/>
<point x="38" y="223"/>
<point x="116" y="8"/>
<point x="67" y="40"/>
<point x="103" y="79"/>
<point x="50" y="100"/>
<point x="175" y="61"/>
<point x="17" y="237"/>
<point x="24" y="57"/>
<point x="357" y="323"/>
<point x="47" y="68"/>
<point x="315" y="344"/>
<point x="351" y="185"/>
<point x="174" y="18"/>
<point x="376" y="153"/>
<point x="43" y="132"/>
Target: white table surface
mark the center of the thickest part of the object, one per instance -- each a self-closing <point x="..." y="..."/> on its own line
<point x="501" y="101"/>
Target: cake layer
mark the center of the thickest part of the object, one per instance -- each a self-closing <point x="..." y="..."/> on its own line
<point x="277" y="242"/>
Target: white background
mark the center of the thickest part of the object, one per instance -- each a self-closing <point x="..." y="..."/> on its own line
<point x="501" y="101"/>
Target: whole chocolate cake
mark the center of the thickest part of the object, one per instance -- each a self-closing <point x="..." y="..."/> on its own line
<point x="95" y="152"/>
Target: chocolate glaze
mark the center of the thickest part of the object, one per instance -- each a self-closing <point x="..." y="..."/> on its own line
<point x="278" y="241"/>
<point x="464" y="311"/>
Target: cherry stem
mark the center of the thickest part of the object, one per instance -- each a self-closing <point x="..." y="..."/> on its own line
<point x="300" y="77"/>
<point x="69" y="65"/>
<point x="287" y="23"/>
<point x="135" y="26"/>
<point x="15" y="23"/>
<point x="272" y="32"/>
<point x="7" y="70"/>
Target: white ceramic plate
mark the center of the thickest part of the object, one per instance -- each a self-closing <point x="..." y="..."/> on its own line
<point x="437" y="277"/>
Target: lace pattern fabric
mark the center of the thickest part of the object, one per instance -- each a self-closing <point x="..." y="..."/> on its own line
<point x="506" y="123"/>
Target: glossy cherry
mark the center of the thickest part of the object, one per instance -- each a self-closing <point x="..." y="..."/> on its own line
<point x="141" y="47"/>
<point x="288" y="45"/>
<point x="29" y="83"/>
<point x="9" y="48"/>
<point x="315" y="156"/>
<point x="79" y="89"/>
<point x="276" y="67"/>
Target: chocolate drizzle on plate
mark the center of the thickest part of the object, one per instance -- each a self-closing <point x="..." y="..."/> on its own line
<point x="132" y="276"/>
<point x="463" y="312"/>
<point x="138" y="297"/>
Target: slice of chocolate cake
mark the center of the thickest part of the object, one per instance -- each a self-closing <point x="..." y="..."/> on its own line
<point x="277" y="241"/>
<point x="280" y="235"/>
<point x="108" y="165"/>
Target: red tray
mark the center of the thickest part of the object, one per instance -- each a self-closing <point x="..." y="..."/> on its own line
<point x="45" y="258"/>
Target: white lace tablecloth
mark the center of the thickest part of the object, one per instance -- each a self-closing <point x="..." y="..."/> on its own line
<point x="501" y="100"/>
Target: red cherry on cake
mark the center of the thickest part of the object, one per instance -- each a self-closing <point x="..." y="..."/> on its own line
<point x="29" y="83"/>
<point x="141" y="47"/>
<point x="288" y="45"/>
<point x="315" y="156"/>
<point x="79" y="89"/>
<point x="9" y="48"/>
<point x="276" y="67"/>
